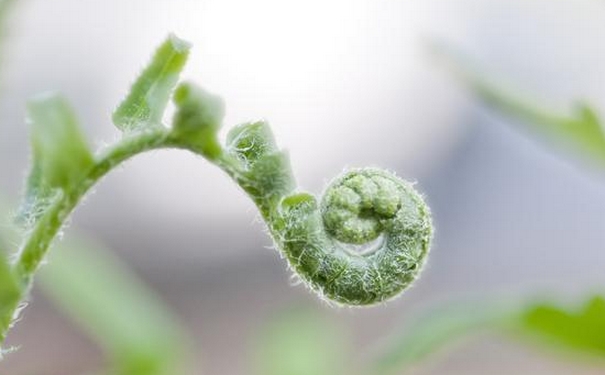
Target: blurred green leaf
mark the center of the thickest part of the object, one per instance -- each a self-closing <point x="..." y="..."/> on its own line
<point x="581" y="131"/>
<point x="145" y="104"/>
<point x="581" y="330"/>
<point x="300" y="343"/>
<point x="437" y="329"/>
<point x="61" y="154"/>
<point x="101" y="294"/>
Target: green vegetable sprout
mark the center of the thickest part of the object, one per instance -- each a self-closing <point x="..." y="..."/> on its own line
<point x="319" y="239"/>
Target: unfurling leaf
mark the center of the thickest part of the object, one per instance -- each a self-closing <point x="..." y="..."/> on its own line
<point x="250" y="141"/>
<point x="144" y="106"/>
<point x="64" y="166"/>
<point x="61" y="155"/>
<point x="198" y="118"/>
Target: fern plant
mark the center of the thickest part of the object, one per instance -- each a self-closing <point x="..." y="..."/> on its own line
<point x="576" y="330"/>
<point x="318" y="239"/>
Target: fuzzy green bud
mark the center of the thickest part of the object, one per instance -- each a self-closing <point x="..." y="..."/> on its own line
<point x="198" y="119"/>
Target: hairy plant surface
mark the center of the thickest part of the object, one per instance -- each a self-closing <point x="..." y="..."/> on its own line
<point x="318" y="239"/>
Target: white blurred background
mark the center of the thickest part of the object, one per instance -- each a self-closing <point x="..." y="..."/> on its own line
<point x="344" y="84"/>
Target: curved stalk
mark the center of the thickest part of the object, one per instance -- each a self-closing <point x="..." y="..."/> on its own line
<point x="318" y="239"/>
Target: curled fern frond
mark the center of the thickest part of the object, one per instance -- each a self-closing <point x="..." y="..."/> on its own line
<point x="363" y="205"/>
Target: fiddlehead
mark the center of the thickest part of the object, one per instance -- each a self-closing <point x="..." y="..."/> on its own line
<point x="363" y="205"/>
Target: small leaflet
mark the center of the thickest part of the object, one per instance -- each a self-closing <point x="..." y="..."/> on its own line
<point x="144" y="106"/>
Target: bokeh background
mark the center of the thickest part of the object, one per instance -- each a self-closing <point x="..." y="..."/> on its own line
<point x="344" y="84"/>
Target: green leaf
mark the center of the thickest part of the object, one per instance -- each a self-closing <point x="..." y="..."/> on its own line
<point x="581" y="132"/>
<point x="61" y="156"/>
<point x="585" y="129"/>
<point x="251" y="141"/>
<point x="267" y="169"/>
<point x="437" y="329"/>
<point x="300" y="343"/>
<point x="107" y="300"/>
<point x="144" y="106"/>
<point x="60" y="152"/>
<point x="580" y="330"/>
<point x="198" y="118"/>
<point x="270" y="177"/>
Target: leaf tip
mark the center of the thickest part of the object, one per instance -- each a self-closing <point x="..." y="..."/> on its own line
<point x="144" y="106"/>
<point x="178" y="44"/>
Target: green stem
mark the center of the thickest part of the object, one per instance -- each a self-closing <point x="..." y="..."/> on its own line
<point x="357" y="208"/>
<point x="49" y="225"/>
<point x="46" y="229"/>
<point x="318" y="237"/>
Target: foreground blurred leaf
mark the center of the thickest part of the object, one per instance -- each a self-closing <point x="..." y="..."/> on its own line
<point x="116" y="308"/>
<point x="145" y="104"/>
<point x="300" y="343"/>
<point x="436" y="330"/>
<point x="581" y="330"/>
<point x="582" y="131"/>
